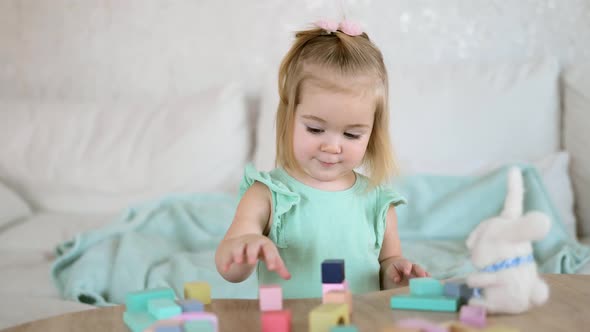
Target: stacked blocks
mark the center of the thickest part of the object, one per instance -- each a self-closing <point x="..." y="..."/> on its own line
<point x="473" y="316"/>
<point x="273" y="317"/>
<point x="163" y="308"/>
<point x="198" y="326"/>
<point x="425" y="294"/>
<point x="334" y="284"/>
<point x="333" y="271"/>
<point x="270" y="298"/>
<point x="461" y="291"/>
<point x="137" y="315"/>
<point x="198" y="290"/>
<point x="276" y="321"/>
<point x="328" y="315"/>
<point x="158" y="310"/>
<point x="191" y="305"/>
<point x="343" y="296"/>
<point x="426" y="287"/>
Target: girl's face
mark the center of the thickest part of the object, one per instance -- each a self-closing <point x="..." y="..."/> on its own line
<point x="330" y="135"/>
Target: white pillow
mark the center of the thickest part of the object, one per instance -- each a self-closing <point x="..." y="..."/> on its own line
<point x="12" y="207"/>
<point x="462" y="117"/>
<point x="85" y="157"/>
<point x="554" y="170"/>
<point x="577" y="138"/>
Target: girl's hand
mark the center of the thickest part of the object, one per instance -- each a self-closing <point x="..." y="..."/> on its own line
<point x="401" y="270"/>
<point x="249" y="248"/>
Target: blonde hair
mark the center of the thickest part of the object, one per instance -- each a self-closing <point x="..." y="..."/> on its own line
<point x="346" y="55"/>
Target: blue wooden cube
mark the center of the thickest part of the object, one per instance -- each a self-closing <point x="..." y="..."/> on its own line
<point x="191" y="305"/>
<point x="333" y="271"/>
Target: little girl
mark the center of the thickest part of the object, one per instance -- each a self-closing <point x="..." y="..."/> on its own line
<point x="332" y="118"/>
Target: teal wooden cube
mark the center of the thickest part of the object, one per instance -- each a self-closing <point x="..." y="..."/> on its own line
<point x="199" y="326"/>
<point x="426" y="287"/>
<point x="138" y="321"/>
<point x="425" y="303"/>
<point x="138" y="301"/>
<point x="163" y="308"/>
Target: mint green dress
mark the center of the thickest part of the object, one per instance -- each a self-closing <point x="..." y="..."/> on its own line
<point x="310" y="225"/>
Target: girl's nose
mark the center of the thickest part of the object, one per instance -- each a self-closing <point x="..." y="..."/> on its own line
<point x="331" y="147"/>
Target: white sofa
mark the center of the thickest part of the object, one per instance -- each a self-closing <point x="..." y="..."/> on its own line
<point x="102" y="106"/>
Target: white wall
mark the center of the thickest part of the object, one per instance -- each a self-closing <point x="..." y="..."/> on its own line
<point x="151" y="49"/>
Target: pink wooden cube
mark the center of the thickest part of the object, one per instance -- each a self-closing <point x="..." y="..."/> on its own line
<point x="341" y="296"/>
<point x="270" y="298"/>
<point x="276" y="321"/>
<point x="334" y="287"/>
<point x="473" y="315"/>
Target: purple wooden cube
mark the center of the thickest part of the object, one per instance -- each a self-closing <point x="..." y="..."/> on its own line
<point x="473" y="316"/>
<point x="190" y="305"/>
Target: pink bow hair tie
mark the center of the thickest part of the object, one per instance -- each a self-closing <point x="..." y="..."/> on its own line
<point x="348" y="27"/>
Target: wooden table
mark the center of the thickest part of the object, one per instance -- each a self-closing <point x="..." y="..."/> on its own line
<point x="568" y="309"/>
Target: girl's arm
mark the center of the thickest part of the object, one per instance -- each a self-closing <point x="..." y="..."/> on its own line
<point x="245" y="242"/>
<point x="394" y="267"/>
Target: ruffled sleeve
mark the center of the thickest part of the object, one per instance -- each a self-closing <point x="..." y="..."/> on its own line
<point x="283" y="199"/>
<point x="385" y="197"/>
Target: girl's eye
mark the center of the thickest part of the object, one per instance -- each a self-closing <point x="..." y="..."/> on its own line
<point x="315" y="130"/>
<point x="352" y="136"/>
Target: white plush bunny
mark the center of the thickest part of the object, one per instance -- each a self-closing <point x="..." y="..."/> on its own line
<point x="502" y="252"/>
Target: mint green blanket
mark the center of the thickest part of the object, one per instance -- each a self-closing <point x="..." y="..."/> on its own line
<point x="172" y="240"/>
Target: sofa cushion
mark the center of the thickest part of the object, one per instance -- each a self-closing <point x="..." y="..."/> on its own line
<point x="12" y="207"/>
<point x="85" y="157"/>
<point x="576" y="136"/>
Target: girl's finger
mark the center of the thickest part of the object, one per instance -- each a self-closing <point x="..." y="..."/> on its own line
<point x="395" y="274"/>
<point x="419" y="271"/>
<point x="238" y="253"/>
<point x="274" y="262"/>
<point x="252" y="252"/>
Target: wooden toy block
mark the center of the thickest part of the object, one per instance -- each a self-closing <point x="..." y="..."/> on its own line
<point x="422" y="325"/>
<point x="425" y="303"/>
<point x="473" y="315"/>
<point x="206" y="316"/>
<point x="190" y="305"/>
<point x="426" y="287"/>
<point x="198" y="290"/>
<point x="342" y="296"/>
<point x="276" y="321"/>
<point x="325" y="316"/>
<point x="333" y="271"/>
<point x="270" y="298"/>
<point x="138" y="321"/>
<point x="334" y="287"/>
<point x="198" y="326"/>
<point x="165" y="325"/>
<point x="163" y="308"/>
<point x="173" y="328"/>
<point x="344" y="328"/>
<point x="138" y="301"/>
<point x="460" y="290"/>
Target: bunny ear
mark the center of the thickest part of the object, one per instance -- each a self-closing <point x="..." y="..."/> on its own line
<point x="328" y="25"/>
<point x="515" y="194"/>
